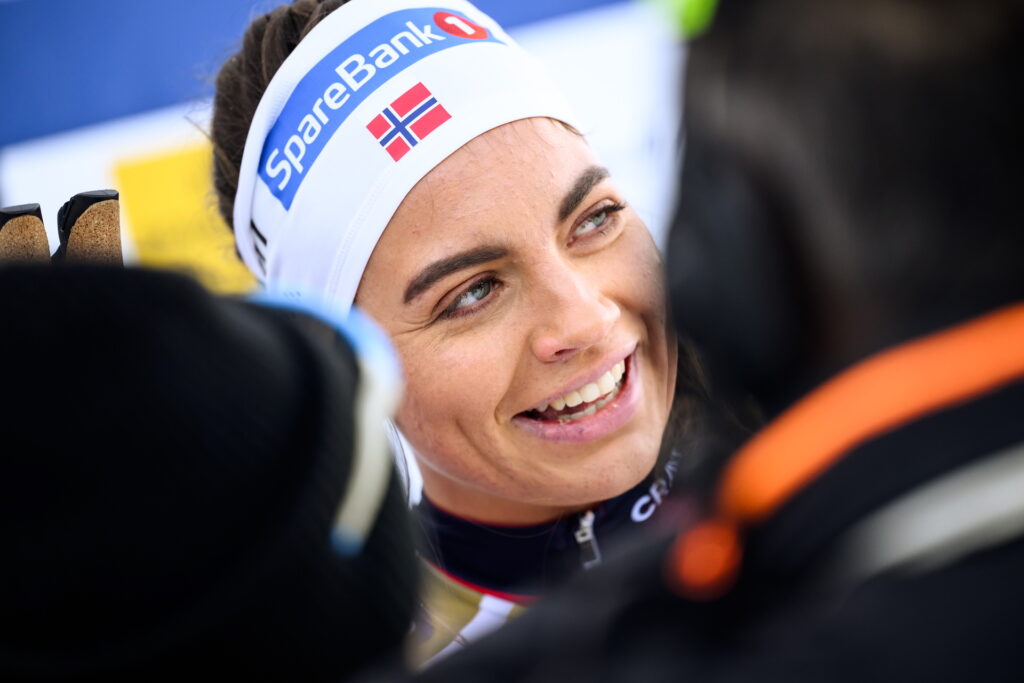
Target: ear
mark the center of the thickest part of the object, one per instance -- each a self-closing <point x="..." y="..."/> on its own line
<point x="735" y="274"/>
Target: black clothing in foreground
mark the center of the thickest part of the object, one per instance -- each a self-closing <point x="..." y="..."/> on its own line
<point x="172" y="464"/>
<point x="898" y="559"/>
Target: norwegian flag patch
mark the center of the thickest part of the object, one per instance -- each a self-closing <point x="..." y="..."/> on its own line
<point x="409" y="119"/>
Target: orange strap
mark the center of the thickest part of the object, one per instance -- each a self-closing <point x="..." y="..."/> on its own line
<point x="872" y="397"/>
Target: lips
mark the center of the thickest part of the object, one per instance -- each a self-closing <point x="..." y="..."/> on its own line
<point x="586" y="400"/>
<point x="587" y="420"/>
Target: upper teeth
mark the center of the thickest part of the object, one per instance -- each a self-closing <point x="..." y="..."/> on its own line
<point x="590" y="392"/>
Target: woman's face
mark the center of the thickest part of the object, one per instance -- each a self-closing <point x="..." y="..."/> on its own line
<point x="525" y="299"/>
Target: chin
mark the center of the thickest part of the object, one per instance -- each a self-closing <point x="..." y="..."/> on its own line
<point x="625" y="465"/>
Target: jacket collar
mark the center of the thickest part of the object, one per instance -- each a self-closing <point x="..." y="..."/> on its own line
<point x="521" y="562"/>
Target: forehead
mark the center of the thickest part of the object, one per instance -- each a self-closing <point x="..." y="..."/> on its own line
<point x="524" y="167"/>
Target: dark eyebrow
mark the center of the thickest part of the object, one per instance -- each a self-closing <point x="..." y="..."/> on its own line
<point x="584" y="184"/>
<point x="446" y="266"/>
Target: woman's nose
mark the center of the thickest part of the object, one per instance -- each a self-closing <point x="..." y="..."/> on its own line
<point x="573" y="314"/>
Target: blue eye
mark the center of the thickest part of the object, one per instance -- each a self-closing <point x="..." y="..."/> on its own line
<point x="592" y="223"/>
<point x="597" y="222"/>
<point x="475" y="294"/>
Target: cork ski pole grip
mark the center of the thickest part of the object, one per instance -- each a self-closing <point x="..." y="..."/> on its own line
<point x="22" y="235"/>
<point x="89" y="227"/>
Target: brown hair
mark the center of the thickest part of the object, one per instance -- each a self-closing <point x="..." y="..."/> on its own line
<point x="244" y="78"/>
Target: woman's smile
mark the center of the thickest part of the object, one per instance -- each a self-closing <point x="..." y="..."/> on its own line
<point x="589" y="412"/>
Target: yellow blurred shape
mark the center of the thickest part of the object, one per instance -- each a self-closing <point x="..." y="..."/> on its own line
<point x="170" y="214"/>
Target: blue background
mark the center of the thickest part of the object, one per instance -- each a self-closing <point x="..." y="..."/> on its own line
<point x="70" y="63"/>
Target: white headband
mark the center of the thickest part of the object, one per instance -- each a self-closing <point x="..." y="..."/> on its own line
<point x="369" y="102"/>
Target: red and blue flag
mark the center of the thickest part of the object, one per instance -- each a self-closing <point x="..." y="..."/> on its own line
<point x="412" y="117"/>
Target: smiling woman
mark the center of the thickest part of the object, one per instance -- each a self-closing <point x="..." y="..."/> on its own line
<point x="452" y="199"/>
<point x="524" y="297"/>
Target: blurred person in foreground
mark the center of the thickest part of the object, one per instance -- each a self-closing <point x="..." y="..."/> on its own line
<point x="192" y="488"/>
<point x="847" y="252"/>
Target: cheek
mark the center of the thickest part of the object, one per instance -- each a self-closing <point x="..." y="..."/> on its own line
<point x="642" y="291"/>
<point x="447" y="411"/>
<point x="640" y="281"/>
<point x="449" y="384"/>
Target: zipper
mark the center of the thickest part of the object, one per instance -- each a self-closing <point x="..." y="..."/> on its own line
<point x="590" y="553"/>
